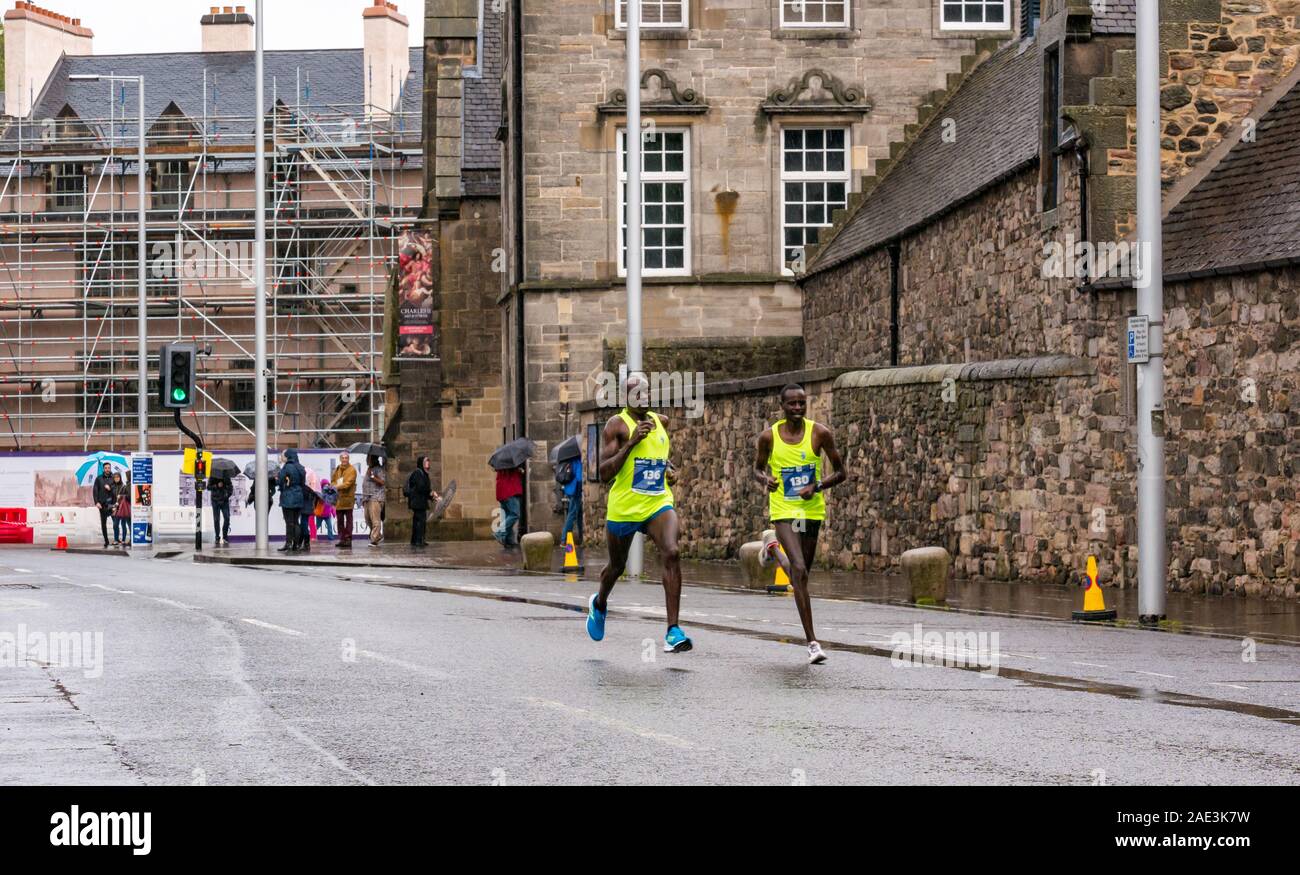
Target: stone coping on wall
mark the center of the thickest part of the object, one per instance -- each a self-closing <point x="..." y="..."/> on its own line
<point x="765" y="383"/>
<point x="1039" y="367"/>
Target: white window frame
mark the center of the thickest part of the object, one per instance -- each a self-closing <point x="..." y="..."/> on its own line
<point x="828" y="176"/>
<point x="1006" y="23"/>
<point x="814" y="25"/>
<point x="684" y="177"/>
<point x="620" y="21"/>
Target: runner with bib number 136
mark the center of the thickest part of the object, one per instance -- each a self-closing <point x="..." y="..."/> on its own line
<point x="634" y="460"/>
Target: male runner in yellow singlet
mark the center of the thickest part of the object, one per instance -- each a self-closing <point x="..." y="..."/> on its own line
<point x="788" y="463"/>
<point x="634" y="456"/>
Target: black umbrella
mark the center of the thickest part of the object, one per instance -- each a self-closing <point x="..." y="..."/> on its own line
<point x="226" y="468"/>
<point x="443" y="503"/>
<point x="250" y="470"/>
<point x="512" y="455"/>
<point x="570" y="448"/>
<point x="365" y="450"/>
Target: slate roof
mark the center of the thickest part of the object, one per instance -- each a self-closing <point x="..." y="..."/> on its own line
<point x="482" y="105"/>
<point x="997" y="114"/>
<point x="329" y="77"/>
<point x="1114" y="16"/>
<point x="1246" y="212"/>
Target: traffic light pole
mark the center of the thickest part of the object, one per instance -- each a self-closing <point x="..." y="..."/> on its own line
<point x="199" y="473"/>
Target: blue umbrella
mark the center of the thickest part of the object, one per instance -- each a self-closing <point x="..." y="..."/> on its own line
<point x="94" y="463"/>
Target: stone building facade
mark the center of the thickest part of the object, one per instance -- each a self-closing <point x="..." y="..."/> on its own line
<point x="451" y="408"/>
<point x="765" y="118"/>
<point x="1026" y="464"/>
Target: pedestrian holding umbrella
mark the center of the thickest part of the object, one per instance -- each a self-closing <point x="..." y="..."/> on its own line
<point x="509" y="462"/>
<point x="221" y="489"/>
<point x="366" y="450"/>
<point x="272" y="469"/>
<point x="512" y="455"/>
<point x="569" y="448"/>
<point x="224" y="468"/>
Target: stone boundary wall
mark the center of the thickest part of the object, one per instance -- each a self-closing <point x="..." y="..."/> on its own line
<point x="989" y="460"/>
<point x="994" y="461"/>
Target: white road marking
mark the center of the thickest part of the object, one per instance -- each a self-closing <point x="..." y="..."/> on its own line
<point x="603" y="720"/>
<point x="1025" y="655"/>
<point x="1091" y="664"/>
<point x="23" y="570"/>
<point x="1156" y="674"/>
<point x="375" y="576"/>
<point x="271" y="626"/>
<point x="1234" y="686"/>
<point x="110" y="589"/>
<point x="61" y="577"/>
<point x="401" y="663"/>
<point x="174" y="604"/>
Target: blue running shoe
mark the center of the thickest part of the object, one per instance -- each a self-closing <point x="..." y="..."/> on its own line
<point x="595" y="619"/>
<point x="676" y="641"/>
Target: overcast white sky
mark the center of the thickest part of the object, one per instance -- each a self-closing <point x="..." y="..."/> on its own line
<point x="129" y="26"/>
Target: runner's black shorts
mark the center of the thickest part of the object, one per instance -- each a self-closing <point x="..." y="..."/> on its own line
<point x="811" y="528"/>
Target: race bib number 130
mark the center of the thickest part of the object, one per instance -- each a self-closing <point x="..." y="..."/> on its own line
<point x="795" y="479"/>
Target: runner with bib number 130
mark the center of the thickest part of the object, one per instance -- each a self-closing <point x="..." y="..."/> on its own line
<point x="634" y="460"/>
<point x="788" y="463"/>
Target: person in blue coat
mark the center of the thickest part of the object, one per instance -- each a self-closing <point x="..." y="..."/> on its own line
<point x="293" y="481"/>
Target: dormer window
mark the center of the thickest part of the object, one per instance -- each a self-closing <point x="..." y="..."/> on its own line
<point x="170" y="183"/>
<point x="68" y="182"/>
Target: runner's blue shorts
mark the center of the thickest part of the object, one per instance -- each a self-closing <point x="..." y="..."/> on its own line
<point x="627" y="530"/>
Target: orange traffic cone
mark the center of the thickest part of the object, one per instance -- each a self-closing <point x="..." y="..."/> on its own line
<point x="782" y="585"/>
<point x="1094" y="603"/>
<point x="62" y="543"/>
<point x="571" y="564"/>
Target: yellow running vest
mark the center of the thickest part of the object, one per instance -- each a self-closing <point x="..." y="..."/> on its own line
<point x="641" y="487"/>
<point x="795" y="466"/>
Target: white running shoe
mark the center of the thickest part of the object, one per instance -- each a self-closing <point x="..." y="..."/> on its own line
<point x="816" y="656"/>
<point x="768" y="553"/>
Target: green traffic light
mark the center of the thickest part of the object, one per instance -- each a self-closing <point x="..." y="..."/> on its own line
<point x="178" y="394"/>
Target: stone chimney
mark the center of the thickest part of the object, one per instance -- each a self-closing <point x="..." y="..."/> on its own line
<point x="387" y="56"/>
<point x="35" y="39"/>
<point x="227" y="29"/>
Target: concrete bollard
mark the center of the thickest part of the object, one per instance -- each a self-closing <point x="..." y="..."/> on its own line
<point x="755" y="574"/>
<point x="538" y="548"/>
<point x="927" y="570"/>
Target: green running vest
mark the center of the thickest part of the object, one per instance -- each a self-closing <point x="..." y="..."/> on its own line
<point x="641" y="487"/>
<point x="794" y="466"/>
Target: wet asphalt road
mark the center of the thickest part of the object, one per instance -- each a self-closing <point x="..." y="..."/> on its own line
<point x="221" y="675"/>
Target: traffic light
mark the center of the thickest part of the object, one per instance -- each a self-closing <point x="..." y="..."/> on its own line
<point x="177" y="367"/>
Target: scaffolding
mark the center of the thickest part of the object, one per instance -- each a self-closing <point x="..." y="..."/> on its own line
<point x="343" y="183"/>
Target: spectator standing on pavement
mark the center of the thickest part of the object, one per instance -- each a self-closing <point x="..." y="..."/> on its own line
<point x="103" y="495"/>
<point x="326" y="510"/>
<point x="220" y="490"/>
<point x="121" y="511"/>
<point x="293" y="480"/>
<point x="344" y="479"/>
<point x="510" y="491"/>
<point x="418" y="492"/>
<point x="573" y="498"/>
<point x="372" y="496"/>
<point x="307" y="517"/>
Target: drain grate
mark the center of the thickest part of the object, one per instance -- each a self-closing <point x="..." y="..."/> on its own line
<point x="18" y="586"/>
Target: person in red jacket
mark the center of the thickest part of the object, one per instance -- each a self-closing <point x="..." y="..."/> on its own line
<point x="510" y="492"/>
